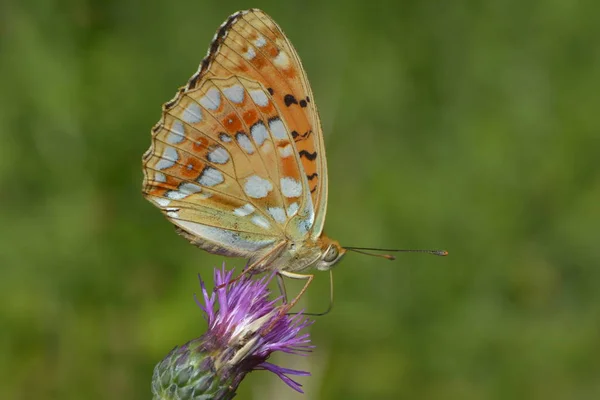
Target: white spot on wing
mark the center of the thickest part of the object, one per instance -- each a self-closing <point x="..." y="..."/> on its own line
<point x="311" y="211"/>
<point x="159" y="177"/>
<point x="234" y="93"/>
<point x="225" y="138"/>
<point x="257" y="187"/>
<point x="278" y="129"/>
<point x="278" y="214"/>
<point x="304" y="226"/>
<point x="292" y="209"/>
<point x="161" y="201"/>
<point x="218" y="156"/>
<point x="285" y="151"/>
<point x="173" y="214"/>
<point x="259" y="97"/>
<point x="212" y="99"/>
<point x="245" y="143"/>
<point x="260" y="221"/>
<point x="192" y="113"/>
<point x="189" y="188"/>
<point x="260" y="41"/>
<point x="250" y="54"/>
<point x="281" y="60"/>
<point x="210" y="177"/>
<point x="177" y="133"/>
<point x="176" y="195"/>
<point x="290" y="187"/>
<point x="223" y="237"/>
<point x="259" y="133"/>
<point x="184" y="190"/>
<point x="244" y="210"/>
<point x="168" y="158"/>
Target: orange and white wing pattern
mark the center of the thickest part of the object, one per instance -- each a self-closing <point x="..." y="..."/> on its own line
<point x="237" y="160"/>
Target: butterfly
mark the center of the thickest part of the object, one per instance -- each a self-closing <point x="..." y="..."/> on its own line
<point x="237" y="161"/>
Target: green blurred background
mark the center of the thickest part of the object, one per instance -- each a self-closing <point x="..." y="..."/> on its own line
<point x="464" y="125"/>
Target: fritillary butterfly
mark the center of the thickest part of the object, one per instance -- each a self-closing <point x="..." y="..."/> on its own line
<point x="237" y="161"/>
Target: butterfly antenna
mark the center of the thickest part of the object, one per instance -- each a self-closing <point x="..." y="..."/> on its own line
<point x="386" y="256"/>
<point x="367" y="251"/>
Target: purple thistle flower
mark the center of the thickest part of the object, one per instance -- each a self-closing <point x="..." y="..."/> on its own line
<point x="244" y="328"/>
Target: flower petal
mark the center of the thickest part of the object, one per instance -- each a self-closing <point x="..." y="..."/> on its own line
<point x="282" y="374"/>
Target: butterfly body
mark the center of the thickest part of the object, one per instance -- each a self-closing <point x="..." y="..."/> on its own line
<point x="300" y="256"/>
<point x="237" y="161"/>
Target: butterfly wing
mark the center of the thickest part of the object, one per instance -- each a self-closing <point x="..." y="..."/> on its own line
<point x="237" y="159"/>
<point x="269" y="57"/>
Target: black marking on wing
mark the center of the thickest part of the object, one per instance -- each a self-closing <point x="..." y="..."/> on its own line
<point x="193" y="81"/>
<point x="289" y="99"/>
<point x="271" y="91"/>
<point x="302" y="103"/>
<point x="312" y="176"/>
<point x="171" y="103"/>
<point x="298" y="136"/>
<point x="310" y="156"/>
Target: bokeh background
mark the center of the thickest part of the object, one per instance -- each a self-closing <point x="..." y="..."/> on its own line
<point x="469" y="126"/>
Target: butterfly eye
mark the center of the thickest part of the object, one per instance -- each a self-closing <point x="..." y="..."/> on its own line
<point x="331" y="254"/>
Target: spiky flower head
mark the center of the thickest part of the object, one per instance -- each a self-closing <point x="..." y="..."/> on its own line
<point x="244" y="328"/>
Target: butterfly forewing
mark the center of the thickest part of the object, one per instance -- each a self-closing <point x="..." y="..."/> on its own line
<point x="237" y="160"/>
<point x="267" y="56"/>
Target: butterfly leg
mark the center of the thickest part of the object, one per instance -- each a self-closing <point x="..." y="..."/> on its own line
<point x="286" y="307"/>
<point x="292" y="275"/>
<point x="281" y="284"/>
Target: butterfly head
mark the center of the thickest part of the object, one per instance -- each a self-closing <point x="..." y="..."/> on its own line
<point x="331" y="253"/>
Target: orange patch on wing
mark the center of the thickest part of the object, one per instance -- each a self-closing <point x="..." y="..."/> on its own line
<point x="200" y="144"/>
<point x="288" y="164"/>
<point x="259" y="61"/>
<point x="160" y="188"/>
<point x="232" y="123"/>
<point x="268" y="109"/>
<point x="250" y="117"/>
<point x="290" y="72"/>
<point x="191" y="167"/>
<point x="156" y="190"/>
<point x="272" y="51"/>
